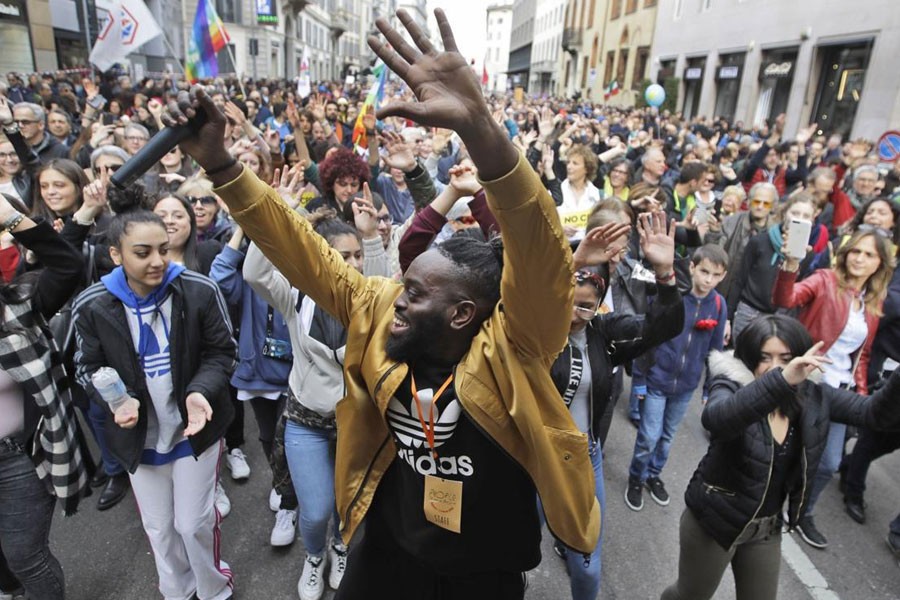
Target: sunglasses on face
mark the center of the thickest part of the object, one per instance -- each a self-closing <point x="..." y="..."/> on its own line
<point x="110" y="168"/>
<point x="206" y="200"/>
<point x="763" y="203"/>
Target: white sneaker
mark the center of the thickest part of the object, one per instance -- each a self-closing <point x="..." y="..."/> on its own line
<point x="337" y="556"/>
<point x="274" y="501"/>
<point x="285" y="529"/>
<point x="19" y="595"/>
<point x="237" y="464"/>
<point x="223" y="504"/>
<point x="312" y="581"/>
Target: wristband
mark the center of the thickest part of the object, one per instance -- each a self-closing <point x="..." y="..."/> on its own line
<point x="13" y="221"/>
<point x="666" y="278"/>
<point x="215" y="171"/>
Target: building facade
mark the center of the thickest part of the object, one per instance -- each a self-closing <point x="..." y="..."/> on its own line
<point x="545" y="50"/>
<point x="498" y="24"/>
<point x="520" y="42"/>
<point x="826" y="61"/>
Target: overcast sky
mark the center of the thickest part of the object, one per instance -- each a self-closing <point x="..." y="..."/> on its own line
<point x="467" y="17"/>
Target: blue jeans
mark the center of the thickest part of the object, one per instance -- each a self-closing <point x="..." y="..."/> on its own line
<point x="310" y="458"/>
<point x="831" y="460"/>
<point x="26" y="511"/>
<point x="634" y="401"/>
<point x="585" y="580"/>
<point x="660" y="417"/>
<point x="96" y="416"/>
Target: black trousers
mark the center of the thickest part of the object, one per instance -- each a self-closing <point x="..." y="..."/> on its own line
<point x="869" y="446"/>
<point x="378" y="568"/>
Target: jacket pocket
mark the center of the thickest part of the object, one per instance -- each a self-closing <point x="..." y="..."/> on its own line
<point x="714" y="489"/>
<point x="570" y="448"/>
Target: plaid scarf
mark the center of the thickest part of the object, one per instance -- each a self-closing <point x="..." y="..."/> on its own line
<point x="30" y="357"/>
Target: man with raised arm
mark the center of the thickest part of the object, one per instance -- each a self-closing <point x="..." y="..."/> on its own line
<point x="450" y="421"/>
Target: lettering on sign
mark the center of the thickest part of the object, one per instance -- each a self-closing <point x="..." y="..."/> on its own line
<point x="693" y="73"/>
<point x="10" y="10"/>
<point x="778" y="69"/>
<point x="729" y="72"/>
<point x="575" y="219"/>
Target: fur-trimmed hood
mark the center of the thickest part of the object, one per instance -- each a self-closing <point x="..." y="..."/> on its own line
<point x="725" y="364"/>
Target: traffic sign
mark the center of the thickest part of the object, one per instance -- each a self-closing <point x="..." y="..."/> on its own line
<point x="889" y="146"/>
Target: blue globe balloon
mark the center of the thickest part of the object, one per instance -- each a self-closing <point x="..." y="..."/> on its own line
<point x="655" y="95"/>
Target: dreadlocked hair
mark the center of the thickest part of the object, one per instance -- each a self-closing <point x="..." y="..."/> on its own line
<point x="479" y="265"/>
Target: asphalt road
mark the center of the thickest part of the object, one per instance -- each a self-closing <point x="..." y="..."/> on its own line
<point x="107" y="557"/>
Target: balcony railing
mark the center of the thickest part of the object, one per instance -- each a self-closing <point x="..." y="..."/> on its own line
<point x="571" y="40"/>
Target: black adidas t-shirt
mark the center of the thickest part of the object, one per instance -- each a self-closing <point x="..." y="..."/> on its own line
<point x="500" y="528"/>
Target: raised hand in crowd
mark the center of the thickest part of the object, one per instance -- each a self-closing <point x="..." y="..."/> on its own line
<point x="464" y="180"/>
<point x="94" y="198"/>
<point x="399" y="153"/>
<point x="288" y="182"/>
<point x="599" y="244"/>
<point x="365" y="217"/>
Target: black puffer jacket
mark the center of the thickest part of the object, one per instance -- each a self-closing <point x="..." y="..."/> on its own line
<point x="614" y="339"/>
<point x="728" y="487"/>
<point x="203" y="355"/>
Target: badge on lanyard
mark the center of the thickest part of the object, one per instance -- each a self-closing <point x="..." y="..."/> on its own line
<point x="443" y="497"/>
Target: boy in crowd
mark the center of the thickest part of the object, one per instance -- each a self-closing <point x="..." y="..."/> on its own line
<point x="675" y="374"/>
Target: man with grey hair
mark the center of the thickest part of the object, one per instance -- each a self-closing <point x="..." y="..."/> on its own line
<point x="136" y="137"/>
<point x="111" y="157"/>
<point x="653" y="166"/>
<point x="736" y="230"/>
<point x="30" y="120"/>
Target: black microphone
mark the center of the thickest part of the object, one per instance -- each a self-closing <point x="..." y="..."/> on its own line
<point x="157" y="147"/>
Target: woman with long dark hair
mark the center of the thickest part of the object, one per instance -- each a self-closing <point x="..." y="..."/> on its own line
<point x="768" y="425"/>
<point x="181" y="225"/>
<point x="58" y="193"/>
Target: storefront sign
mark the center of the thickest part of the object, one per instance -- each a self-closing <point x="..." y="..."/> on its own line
<point x="730" y="72"/>
<point x="693" y="73"/>
<point x="12" y="10"/>
<point x="782" y="69"/>
<point x="265" y="12"/>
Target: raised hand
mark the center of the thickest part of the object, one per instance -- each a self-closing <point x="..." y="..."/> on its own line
<point x="369" y="119"/>
<point x="657" y="241"/>
<point x="448" y="92"/>
<point x="464" y="179"/>
<point x="596" y="247"/>
<point x="94" y="197"/>
<point x="805" y="133"/>
<point x="6" y="115"/>
<point x="365" y="217"/>
<point x="288" y="183"/>
<point x="400" y="154"/>
<point x="801" y="367"/>
<point x="199" y="412"/>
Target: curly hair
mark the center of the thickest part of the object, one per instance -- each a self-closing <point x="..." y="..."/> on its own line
<point x="343" y="162"/>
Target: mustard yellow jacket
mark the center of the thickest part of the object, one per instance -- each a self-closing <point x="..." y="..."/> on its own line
<point x="503" y="382"/>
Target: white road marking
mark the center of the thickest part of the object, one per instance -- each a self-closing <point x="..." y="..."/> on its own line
<point x="805" y="570"/>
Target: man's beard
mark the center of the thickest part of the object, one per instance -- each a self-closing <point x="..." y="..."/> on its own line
<point x="412" y="343"/>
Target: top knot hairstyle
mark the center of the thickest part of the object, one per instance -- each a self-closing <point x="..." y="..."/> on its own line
<point x="479" y="265"/>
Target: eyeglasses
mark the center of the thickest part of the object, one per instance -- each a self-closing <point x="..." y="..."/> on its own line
<point x="136" y="138"/>
<point x="385" y="219"/>
<point x="466" y="220"/>
<point x="8" y="155"/>
<point x="586" y="313"/>
<point x="23" y="122"/>
<point x="762" y="203"/>
<point x="201" y="199"/>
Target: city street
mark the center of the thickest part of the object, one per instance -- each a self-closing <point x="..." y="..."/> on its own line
<point x="106" y="555"/>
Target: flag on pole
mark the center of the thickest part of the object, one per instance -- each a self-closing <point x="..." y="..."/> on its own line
<point x="611" y="90"/>
<point x="373" y="100"/>
<point x="126" y="26"/>
<point x="484" y="76"/>
<point x="207" y="38"/>
<point x="304" y="83"/>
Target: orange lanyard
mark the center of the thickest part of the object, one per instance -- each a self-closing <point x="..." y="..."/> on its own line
<point x="428" y="430"/>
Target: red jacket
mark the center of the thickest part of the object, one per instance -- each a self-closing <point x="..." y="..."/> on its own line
<point x="824" y="311"/>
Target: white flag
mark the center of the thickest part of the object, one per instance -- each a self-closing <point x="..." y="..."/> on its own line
<point x="128" y="25"/>
<point x="304" y="84"/>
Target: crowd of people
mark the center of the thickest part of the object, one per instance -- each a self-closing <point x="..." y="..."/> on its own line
<point x="443" y="296"/>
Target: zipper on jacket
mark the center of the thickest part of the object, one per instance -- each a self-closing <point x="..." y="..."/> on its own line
<point x="686" y="348"/>
<point x="768" y="482"/>
<point x="362" y="485"/>
<point x="587" y="556"/>
<point x="803" y="489"/>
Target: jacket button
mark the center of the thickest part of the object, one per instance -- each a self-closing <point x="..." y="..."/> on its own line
<point x="567" y="456"/>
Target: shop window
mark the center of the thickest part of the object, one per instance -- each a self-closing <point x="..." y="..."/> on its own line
<point x="841" y="87"/>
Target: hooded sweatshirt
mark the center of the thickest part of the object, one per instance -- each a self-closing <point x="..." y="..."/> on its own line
<point x="149" y="319"/>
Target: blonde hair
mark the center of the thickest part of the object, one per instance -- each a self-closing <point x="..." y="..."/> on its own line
<point x="876" y="286"/>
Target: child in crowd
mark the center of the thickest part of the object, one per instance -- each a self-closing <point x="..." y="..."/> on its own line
<point x="675" y="374"/>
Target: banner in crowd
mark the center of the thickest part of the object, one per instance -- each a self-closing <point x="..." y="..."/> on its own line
<point x="126" y="26"/>
<point x="208" y="36"/>
<point x="304" y="83"/>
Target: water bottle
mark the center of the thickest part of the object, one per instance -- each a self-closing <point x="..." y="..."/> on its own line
<point x="110" y="387"/>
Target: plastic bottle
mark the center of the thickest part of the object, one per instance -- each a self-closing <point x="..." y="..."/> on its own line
<point x="110" y="387"/>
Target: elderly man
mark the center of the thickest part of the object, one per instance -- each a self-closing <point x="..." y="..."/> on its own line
<point x="31" y="121"/>
<point x="136" y="137"/>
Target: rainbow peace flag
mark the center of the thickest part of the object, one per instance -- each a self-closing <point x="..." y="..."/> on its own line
<point x="207" y="38"/>
<point x="374" y="98"/>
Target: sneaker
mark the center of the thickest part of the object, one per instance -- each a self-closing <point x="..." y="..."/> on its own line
<point x="337" y="556"/>
<point x="657" y="490"/>
<point x="237" y="464"/>
<point x="274" y="501"/>
<point x="810" y="534"/>
<point x="856" y="508"/>
<point x="17" y="595"/>
<point x="312" y="581"/>
<point x="223" y="504"/>
<point x="634" y="495"/>
<point x="285" y="529"/>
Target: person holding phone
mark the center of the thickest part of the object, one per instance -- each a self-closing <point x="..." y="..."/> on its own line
<point x="840" y="307"/>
